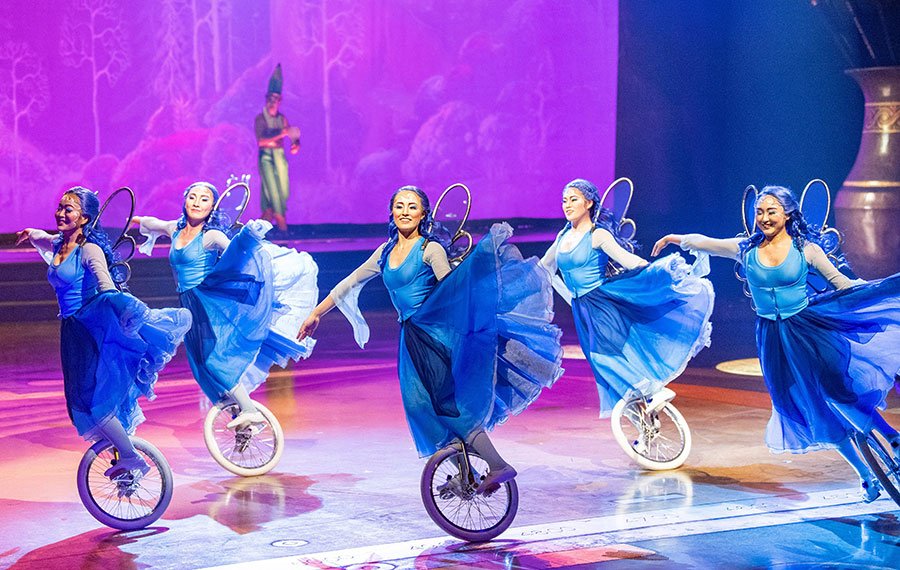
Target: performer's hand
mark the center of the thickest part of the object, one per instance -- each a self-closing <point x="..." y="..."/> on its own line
<point x="23" y="235"/>
<point x="308" y="328"/>
<point x="136" y="221"/>
<point x="295" y="147"/>
<point x="664" y="241"/>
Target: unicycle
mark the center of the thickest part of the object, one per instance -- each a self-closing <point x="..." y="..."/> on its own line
<point x="128" y="500"/>
<point x="449" y="490"/>
<point x="651" y="431"/>
<point x="881" y="461"/>
<point x="249" y="450"/>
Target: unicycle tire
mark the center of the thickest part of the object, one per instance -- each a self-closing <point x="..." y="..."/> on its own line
<point x="455" y="506"/>
<point x="655" y="440"/>
<point x="128" y="501"/>
<point x="246" y="451"/>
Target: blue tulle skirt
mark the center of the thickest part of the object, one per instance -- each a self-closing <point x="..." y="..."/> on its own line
<point x="246" y="313"/>
<point x="481" y="347"/>
<point x="638" y="330"/>
<point x="841" y="351"/>
<point x="112" y="350"/>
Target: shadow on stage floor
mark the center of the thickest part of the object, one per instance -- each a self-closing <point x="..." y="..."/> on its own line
<point x="346" y="495"/>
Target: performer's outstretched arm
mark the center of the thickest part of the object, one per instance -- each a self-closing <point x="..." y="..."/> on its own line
<point x="729" y="248"/>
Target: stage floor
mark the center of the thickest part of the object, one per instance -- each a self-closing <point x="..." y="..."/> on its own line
<point x="346" y="493"/>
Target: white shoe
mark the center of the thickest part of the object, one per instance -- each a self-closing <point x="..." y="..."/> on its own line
<point x="495" y="478"/>
<point x="245" y="418"/>
<point x="870" y="490"/>
<point x="125" y="464"/>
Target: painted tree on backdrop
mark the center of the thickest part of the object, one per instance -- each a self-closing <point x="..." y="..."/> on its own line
<point x="171" y="83"/>
<point x="23" y="91"/>
<point x="210" y="20"/>
<point x="92" y="33"/>
<point x="333" y="30"/>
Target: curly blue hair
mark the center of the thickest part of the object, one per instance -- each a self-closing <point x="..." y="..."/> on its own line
<point x="217" y="219"/>
<point x="94" y="233"/>
<point x="797" y="227"/>
<point x="601" y="217"/>
<point x="430" y="229"/>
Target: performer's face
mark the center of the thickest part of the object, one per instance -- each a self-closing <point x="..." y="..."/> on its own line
<point x="407" y="211"/>
<point x="575" y="206"/>
<point x="68" y="213"/>
<point x="770" y="216"/>
<point x="273" y="100"/>
<point x="199" y="203"/>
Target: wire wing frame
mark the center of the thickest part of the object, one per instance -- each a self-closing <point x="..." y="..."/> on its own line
<point x="459" y="233"/>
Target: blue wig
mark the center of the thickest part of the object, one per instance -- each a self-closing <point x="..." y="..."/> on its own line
<point x="94" y="233"/>
<point x="430" y="229"/>
<point x="217" y="219"/>
<point x="796" y="225"/>
<point x="600" y="217"/>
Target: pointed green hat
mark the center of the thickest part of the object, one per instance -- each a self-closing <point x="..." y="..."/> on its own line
<point x="275" y="81"/>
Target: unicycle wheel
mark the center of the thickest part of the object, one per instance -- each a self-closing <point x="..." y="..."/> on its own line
<point x="248" y="450"/>
<point x="452" y="502"/>
<point x="127" y="501"/>
<point x="882" y="463"/>
<point x="655" y="439"/>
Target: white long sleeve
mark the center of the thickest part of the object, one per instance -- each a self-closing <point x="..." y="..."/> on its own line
<point x="729" y="248"/>
<point x="603" y="240"/>
<point x="818" y="261"/>
<point x="153" y="229"/>
<point x="43" y="243"/>
<point x="94" y="261"/>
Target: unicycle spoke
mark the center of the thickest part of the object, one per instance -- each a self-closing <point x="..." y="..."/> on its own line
<point x="655" y="438"/>
<point x="452" y="501"/>
<point x="128" y="500"/>
<point x="247" y="450"/>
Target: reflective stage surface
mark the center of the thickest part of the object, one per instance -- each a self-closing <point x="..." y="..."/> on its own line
<point x="346" y="492"/>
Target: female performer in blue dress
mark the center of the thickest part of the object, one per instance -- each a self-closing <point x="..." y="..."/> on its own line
<point x="639" y="329"/>
<point x="111" y="344"/>
<point x="828" y="361"/>
<point x="476" y="343"/>
<point x="246" y="297"/>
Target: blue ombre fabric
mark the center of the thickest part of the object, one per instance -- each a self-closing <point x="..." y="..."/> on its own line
<point x="479" y="347"/>
<point x="234" y="302"/>
<point x="840" y="350"/>
<point x="112" y="347"/>
<point x="639" y="329"/>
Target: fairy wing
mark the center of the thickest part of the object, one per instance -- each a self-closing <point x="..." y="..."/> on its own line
<point x="233" y="201"/>
<point x="748" y="217"/>
<point x="815" y="205"/>
<point x="617" y="198"/>
<point x="115" y="216"/>
<point x="748" y="209"/>
<point x="452" y="211"/>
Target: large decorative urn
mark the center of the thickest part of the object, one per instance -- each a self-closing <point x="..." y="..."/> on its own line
<point x="867" y="208"/>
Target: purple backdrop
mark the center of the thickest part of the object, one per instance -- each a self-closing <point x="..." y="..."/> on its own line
<point x="514" y="98"/>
